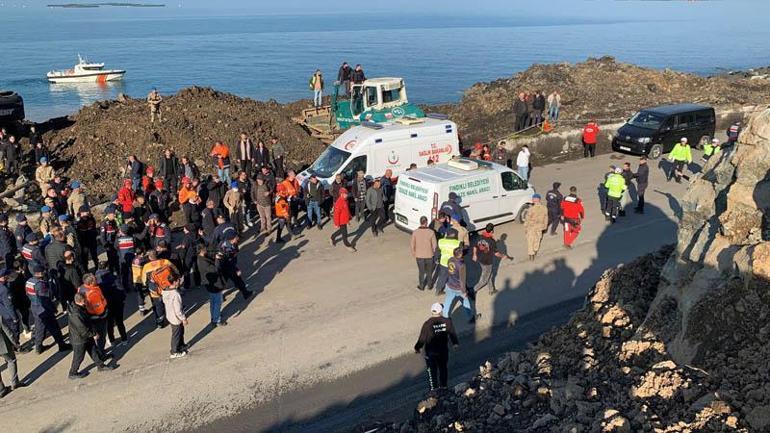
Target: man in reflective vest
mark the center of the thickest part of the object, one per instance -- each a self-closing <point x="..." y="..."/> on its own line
<point x="616" y="186"/>
<point x="44" y="310"/>
<point x="446" y="247"/>
<point x="32" y="253"/>
<point x="680" y="155"/>
<point x="572" y="214"/>
<point x="125" y="245"/>
<point x="711" y="148"/>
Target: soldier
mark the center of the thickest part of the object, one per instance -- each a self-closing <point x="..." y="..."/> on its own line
<point x="8" y="248"/>
<point x="153" y="100"/>
<point x="44" y="310"/>
<point x="536" y="223"/>
<point x="553" y="200"/>
<point x="22" y="231"/>
<point x="227" y="264"/>
<point x="32" y="253"/>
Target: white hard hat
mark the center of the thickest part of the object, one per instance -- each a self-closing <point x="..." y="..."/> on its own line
<point x="715" y="140"/>
<point x="683" y="140"/>
<point x="618" y="170"/>
<point x="436" y="308"/>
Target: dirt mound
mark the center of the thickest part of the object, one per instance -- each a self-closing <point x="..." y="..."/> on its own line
<point x="94" y="147"/>
<point x="676" y="341"/>
<point x="598" y="88"/>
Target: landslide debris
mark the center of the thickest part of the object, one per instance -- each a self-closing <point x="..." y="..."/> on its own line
<point x="676" y="341"/>
<point x="94" y="147"/>
<point x="597" y="88"/>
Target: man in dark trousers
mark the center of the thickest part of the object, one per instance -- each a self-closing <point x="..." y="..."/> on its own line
<point x="435" y="335"/>
<point x="553" y="200"/>
<point x="520" y="112"/>
<point x="44" y="310"/>
<point x="642" y="177"/>
<point x="227" y="264"/>
<point x="169" y="170"/>
<point x="83" y="336"/>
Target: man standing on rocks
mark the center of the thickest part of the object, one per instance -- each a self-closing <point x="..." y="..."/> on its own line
<point x="553" y="200"/>
<point x="245" y="148"/>
<point x="344" y="76"/>
<point x="554" y="103"/>
<point x="169" y="170"/>
<point x="534" y="226"/>
<point x="520" y="112"/>
<point x="435" y="335"/>
<point x="590" y="132"/>
<point x="44" y="174"/>
<point x="153" y="100"/>
<point x="279" y="153"/>
<point x="681" y="156"/>
<point x="573" y="214"/>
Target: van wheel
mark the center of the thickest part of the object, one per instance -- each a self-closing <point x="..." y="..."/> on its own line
<point x="655" y="151"/>
<point x="523" y="213"/>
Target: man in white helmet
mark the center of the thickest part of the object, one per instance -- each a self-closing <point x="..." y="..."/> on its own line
<point x="681" y="156"/>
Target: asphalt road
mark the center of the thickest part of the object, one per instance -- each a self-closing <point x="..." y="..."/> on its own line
<point x="327" y="340"/>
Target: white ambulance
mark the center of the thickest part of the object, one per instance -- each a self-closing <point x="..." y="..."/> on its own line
<point x="488" y="193"/>
<point x="376" y="147"/>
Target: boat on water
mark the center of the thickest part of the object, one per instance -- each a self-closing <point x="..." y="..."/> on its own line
<point x="86" y="72"/>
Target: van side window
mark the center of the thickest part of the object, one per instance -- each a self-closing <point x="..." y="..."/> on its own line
<point x="511" y="182"/>
<point x="358" y="163"/>
<point x="685" y="121"/>
<point x="704" y="118"/>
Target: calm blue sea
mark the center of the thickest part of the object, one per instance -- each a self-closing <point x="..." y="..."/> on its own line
<point x="439" y="53"/>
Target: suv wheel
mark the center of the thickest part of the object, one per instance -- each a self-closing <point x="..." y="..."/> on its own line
<point x="655" y="151"/>
<point x="523" y="213"/>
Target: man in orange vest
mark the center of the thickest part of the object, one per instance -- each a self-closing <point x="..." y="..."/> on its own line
<point x="292" y="189"/>
<point x="282" y="211"/>
<point x="96" y="307"/>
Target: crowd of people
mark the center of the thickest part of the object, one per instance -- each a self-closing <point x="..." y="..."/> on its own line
<point x="533" y="109"/>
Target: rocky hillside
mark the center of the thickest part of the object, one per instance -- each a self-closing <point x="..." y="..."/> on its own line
<point x="598" y="88"/>
<point x="94" y="146"/>
<point x="676" y="341"/>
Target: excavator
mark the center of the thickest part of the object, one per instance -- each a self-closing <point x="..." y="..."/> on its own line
<point x="376" y="100"/>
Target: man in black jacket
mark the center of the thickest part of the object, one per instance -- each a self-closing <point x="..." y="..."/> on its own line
<point x="344" y="76"/>
<point x="553" y="200"/>
<point x="215" y="285"/>
<point x="169" y="170"/>
<point x="538" y="104"/>
<point x="435" y="335"/>
<point x="642" y="177"/>
<point x="8" y="248"/>
<point x="83" y="338"/>
<point x="245" y="149"/>
<point x="520" y="112"/>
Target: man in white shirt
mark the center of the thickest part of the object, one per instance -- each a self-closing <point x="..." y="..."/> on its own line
<point x="522" y="162"/>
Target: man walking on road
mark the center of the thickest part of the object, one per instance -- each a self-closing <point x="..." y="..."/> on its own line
<point x="573" y="214"/>
<point x="590" y="132"/>
<point x="435" y="335"/>
<point x="456" y="286"/>
<point x="616" y="187"/>
<point x="553" y="200"/>
<point x="642" y="176"/>
<point x="424" y="245"/>
<point x="681" y="156"/>
<point x="484" y="252"/>
<point x="375" y="203"/>
<point x="84" y="336"/>
<point x="341" y="218"/>
<point x="534" y="226"/>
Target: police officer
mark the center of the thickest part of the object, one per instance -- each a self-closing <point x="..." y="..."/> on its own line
<point x="109" y="235"/>
<point x="126" y="247"/>
<point x="22" y="230"/>
<point x="680" y="155"/>
<point x="553" y="200"/>
<point x="44" y="310"/>
<point x="616" y="186"/>
<point x="435" y="335"/>
<point x="711" y="148"/>
<point x="227" y="263"/>
<point x="32" y="253"/>
<point x="446" y="247"/>
<point x="8" y="248"/>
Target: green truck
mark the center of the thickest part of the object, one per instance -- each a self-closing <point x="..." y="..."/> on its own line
<point x="376" y="100"/>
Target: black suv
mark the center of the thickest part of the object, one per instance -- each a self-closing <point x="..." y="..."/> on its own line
<point x="655" y="131"/>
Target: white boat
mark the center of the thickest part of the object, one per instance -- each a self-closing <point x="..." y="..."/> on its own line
<point x="85" y="72"/>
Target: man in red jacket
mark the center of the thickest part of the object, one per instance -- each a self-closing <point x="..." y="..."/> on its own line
<point x="572" y="213"/>
<point x="590" y="132"/>
<point x="341" y="219"/>
<point x="126" y="196"/>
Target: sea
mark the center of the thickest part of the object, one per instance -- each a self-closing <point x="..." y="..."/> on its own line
<point x="440" y="51"/>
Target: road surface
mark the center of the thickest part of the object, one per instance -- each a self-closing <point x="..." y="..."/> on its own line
<point x="327" y="340"/>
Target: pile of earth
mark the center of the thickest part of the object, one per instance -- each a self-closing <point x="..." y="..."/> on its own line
<point x="676" y="341"/>
<point x="96" y="141"/>
<point x="598" y="88"/>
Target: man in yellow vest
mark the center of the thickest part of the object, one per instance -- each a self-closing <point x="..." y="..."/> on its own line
<point x="446" y="247"/>
<point x="616" y="186"/>
<point x="711" y="148"/>
<point x="680" y="155"/>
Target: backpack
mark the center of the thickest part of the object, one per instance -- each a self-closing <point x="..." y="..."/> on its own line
<point x="164" y="277"/>
<point x="96" y="304"/>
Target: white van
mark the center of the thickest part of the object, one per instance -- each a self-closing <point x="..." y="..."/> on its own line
<point x="489" y="193"/>
<point x="376" y="147"/>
